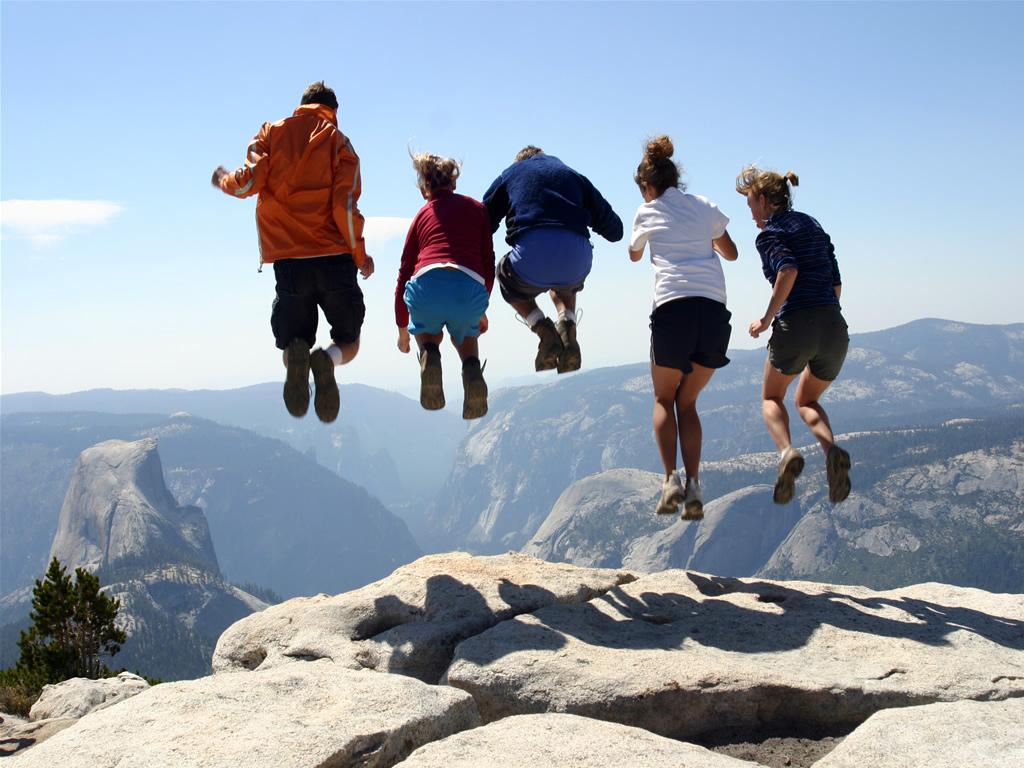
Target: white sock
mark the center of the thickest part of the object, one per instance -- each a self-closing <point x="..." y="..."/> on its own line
<point x="783" y="451"/>
<point x="535" y="317"/>
<point x="567" y="315"/>
<point x="335" y="353"/>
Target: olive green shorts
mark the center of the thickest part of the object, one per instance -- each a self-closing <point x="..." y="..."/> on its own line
<point x="815" y="338"/>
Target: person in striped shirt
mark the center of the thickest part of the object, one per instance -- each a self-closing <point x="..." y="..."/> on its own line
<point x="809" y="335"/>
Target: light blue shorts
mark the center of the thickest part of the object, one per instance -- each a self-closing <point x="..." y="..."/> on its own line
<point x="445" y="298"/>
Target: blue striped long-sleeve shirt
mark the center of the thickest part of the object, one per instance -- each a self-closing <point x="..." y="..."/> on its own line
<point x="794" y="239"/>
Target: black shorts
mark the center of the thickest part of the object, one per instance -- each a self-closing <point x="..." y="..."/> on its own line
<point x="691" y="330"/>
<point x="514" y="288"/>
<point x="304" y="284"/>
<point x="815" y="338"/>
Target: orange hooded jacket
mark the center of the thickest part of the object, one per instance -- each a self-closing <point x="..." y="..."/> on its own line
<point x="306" y="174"/>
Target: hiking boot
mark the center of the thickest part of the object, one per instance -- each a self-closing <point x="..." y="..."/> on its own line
<point x="569" y="359"/>
<point x="550" y="347"/>
<point x="474" y="403"/>
<point x="296" y="382"/>
<point x="671" y="496"/>
<point x="693" y="501"/>
<point x="790" y="466"/>
<point x="326" y="400"/>
<point x="431" y="386"/>
<point x="837" y="467"/>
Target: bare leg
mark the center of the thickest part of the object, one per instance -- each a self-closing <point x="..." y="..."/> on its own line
<point x="666" y="386"/>
<point x="423" y="339"/>
<point x="468" y="348"/>
<point x="348" y="351"/>
<point x="563" y="301"/>
<point x="690" y="434"/>
<point x="773" y="393"/>
<point x="524" y="308"/>
<point x="808" y="391"/>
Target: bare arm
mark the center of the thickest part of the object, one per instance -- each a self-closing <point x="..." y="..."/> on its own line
<point x="838" y="288"/>
<point x="780" y="292"/>
<point x="725" y="246"/>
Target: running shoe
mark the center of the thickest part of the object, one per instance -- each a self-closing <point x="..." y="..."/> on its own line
<point x="671" y="495"/>
<point x="837" y="467"/>
<point x="790" y="466"/>
<point x="693" y="501"/>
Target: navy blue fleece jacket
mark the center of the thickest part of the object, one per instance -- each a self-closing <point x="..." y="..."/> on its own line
<point x="542" y="191"/>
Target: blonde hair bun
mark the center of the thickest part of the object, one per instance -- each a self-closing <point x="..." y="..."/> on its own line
<point x="792" y="178"/>
<point x="660" y="148"/>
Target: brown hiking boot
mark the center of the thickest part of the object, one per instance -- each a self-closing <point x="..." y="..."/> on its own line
<point x="570" y="358"/>
<point x="790" y="466"/>
<point x="296" y="382"/>
<point x="326" y="401"/>
<point x="474" y="404"/>
<point x="837" y="468"/>
<point x="431" y="385"/>
<point x="550" y="347"/>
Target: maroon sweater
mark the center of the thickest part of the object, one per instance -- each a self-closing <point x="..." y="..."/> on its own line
<point x="449" y="229"/>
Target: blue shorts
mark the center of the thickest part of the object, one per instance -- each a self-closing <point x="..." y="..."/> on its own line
<point x="445" y="297"/>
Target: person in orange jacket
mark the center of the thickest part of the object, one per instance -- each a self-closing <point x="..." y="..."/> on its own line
<point x="306" y="175"/>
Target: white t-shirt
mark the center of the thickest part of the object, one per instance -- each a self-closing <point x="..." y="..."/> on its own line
<point x="679" y="229"/>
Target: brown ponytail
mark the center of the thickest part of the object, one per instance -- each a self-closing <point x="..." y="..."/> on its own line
<point x="657" y="169"/>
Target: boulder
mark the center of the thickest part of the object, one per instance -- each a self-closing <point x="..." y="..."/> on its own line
<point x="410" y="622"/>
<point x="947" y="735"/>
<point x="679" y="653"/>
<point x="528" y="741"/>
<point x="296" y="716"/>
<point x="18" y="736"/>
<point x="79" y="696"/>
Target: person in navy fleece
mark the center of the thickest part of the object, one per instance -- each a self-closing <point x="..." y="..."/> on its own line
<point x="548" y="210"/>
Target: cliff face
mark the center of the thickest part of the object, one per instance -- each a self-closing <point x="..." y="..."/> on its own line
<point x="118" y="511"/>
<point x="120" y="521"/>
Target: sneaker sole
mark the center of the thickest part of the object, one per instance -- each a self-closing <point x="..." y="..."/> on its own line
<point x="785" y="485"/>
<point x="431" y="388"/>
<point x="474" y="406"/>
<point x="670" y="506"/>
<point x="693" y="510"/>
<point x="837" y="467"/>
<point x="327" y="400"/>
<point x="296" y="383"/>
<point x="571" y="359"/>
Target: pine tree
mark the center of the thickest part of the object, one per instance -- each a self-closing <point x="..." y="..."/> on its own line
<point x="73" y="626"/>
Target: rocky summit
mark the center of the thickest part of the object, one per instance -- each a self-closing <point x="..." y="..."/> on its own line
<point x="458" y="660"/>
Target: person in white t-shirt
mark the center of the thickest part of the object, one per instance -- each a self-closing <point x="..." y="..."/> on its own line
<point x="686" y="235"/>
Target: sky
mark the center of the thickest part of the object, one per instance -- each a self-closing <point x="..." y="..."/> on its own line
<point x="121" y="267"/>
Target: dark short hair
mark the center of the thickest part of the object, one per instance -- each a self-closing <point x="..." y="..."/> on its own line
<point x="318" y="93"/>
<point x="527" y="152"/>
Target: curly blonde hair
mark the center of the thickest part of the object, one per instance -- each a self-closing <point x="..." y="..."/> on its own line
<point x="434" y="173"/>
<point x="774" y="186"/>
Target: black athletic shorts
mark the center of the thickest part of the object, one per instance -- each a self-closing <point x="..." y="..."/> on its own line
<point x="304" y="284"/>
<point x="691" y="330"/>
<point x="815" y="338"/>
<point x="514" y="288"/>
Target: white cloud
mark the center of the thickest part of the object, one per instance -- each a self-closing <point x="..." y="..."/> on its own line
<point x="47" y="222"/>
<point x="380" y="229"/>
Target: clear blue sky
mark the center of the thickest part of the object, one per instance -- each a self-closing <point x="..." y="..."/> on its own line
<point x="903" y="121"/>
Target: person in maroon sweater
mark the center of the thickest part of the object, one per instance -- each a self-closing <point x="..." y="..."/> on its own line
<point x="445" y="281"/>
